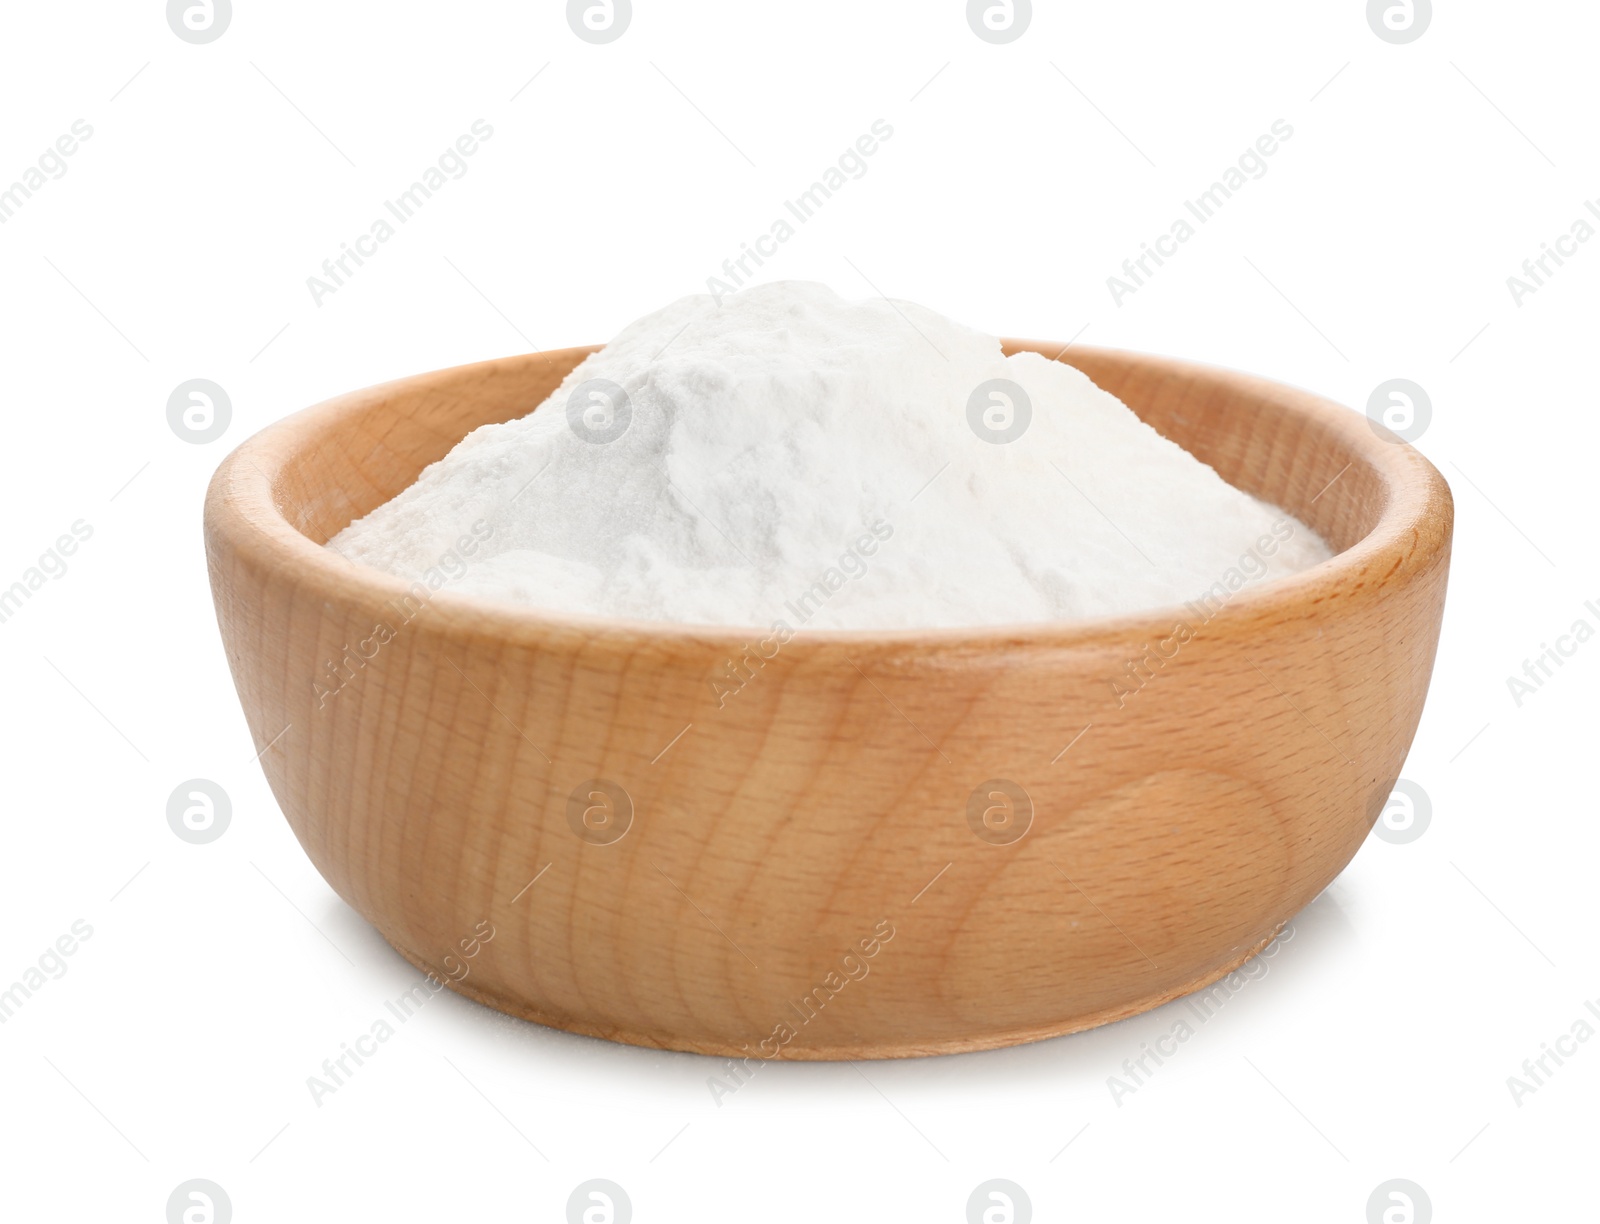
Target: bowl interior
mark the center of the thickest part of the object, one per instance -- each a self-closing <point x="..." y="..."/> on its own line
<point x="1326" y="468"/>
<point x="1285" y="446"/>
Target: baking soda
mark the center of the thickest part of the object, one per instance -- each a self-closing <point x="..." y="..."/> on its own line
<point x="784" y="455"/>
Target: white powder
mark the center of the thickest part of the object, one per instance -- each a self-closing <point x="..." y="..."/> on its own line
<point x="788" y="455"/>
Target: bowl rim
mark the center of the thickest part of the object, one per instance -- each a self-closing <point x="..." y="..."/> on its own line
<point x="1413" y="527"/>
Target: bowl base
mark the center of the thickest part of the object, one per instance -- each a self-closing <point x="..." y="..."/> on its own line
<point x="849" y="1052"/>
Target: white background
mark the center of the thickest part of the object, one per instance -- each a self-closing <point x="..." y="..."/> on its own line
<point x="177" y="246"/>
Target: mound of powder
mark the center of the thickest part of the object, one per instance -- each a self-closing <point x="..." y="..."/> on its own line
<point x="786" y="455"/>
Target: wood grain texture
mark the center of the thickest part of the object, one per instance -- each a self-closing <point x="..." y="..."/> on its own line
<point x="777" y="840"/>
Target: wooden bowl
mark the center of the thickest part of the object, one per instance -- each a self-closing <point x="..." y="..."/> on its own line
<point x="885" y="843"/>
